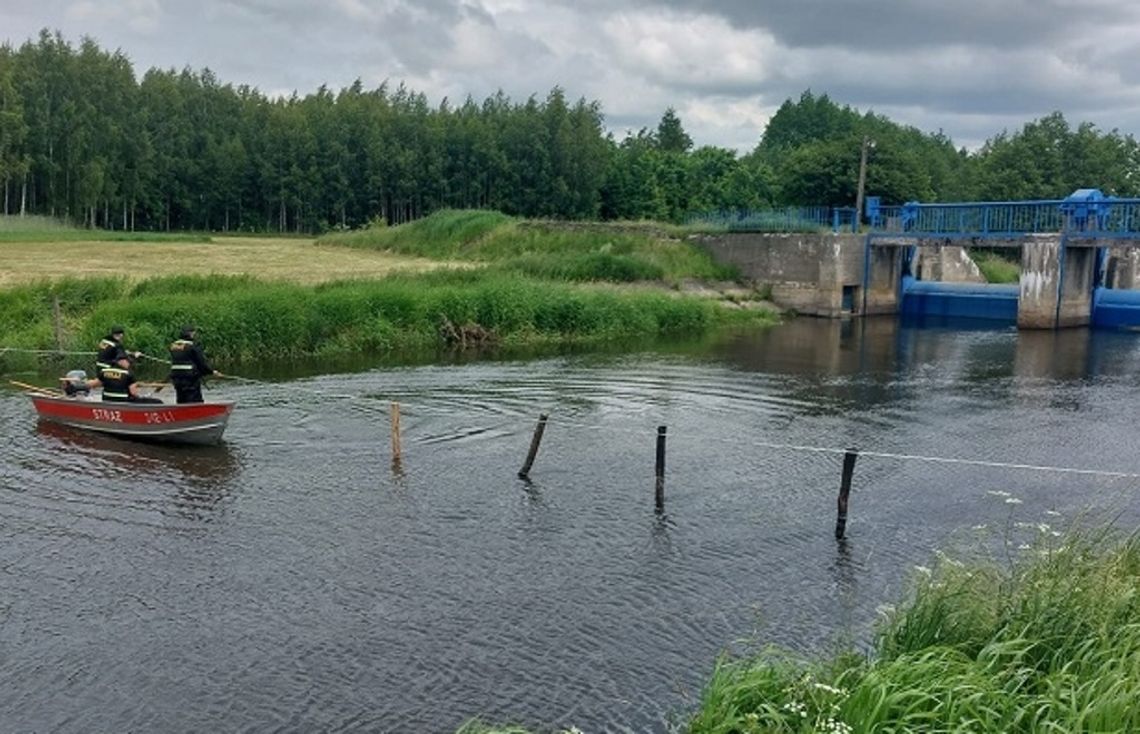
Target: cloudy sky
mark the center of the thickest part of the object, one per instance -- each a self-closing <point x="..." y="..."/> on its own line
<point x="967" y="67"/>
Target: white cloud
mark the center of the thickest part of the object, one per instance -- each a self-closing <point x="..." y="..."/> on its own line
<point x="970" y="68"/>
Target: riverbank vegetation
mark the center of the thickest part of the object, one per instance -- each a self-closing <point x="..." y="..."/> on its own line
<point x="457" y="278"/>
<point x="241" y="318"/>
<point x="83" y="138"/>
<point x="1049" y="644"/>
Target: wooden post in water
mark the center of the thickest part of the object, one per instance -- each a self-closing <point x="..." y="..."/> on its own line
<point x="57" y="322"/>
<point x="659" y="494"/>
<point x="844" y="491"/>
<point x="535" y="440"/>
<point x="395" y="418"/>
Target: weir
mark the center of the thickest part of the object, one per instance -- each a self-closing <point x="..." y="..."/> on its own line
<point x="1079" y="263"/>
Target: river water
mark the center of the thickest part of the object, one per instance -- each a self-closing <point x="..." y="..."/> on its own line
<point x="291" y="579"/>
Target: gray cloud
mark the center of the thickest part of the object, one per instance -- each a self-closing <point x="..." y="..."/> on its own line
<point x="970" y="68"/>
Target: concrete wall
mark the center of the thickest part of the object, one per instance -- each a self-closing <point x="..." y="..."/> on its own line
<point x="806" y="272"/>
<point x="809" y="273"/>
<point x="1123" y="268"/>
<point x="946" y="263"/>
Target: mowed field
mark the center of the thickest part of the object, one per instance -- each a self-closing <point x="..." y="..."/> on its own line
<point x="296" y="260"/>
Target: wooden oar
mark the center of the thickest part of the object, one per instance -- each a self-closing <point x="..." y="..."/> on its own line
<point x="36" y="388"/>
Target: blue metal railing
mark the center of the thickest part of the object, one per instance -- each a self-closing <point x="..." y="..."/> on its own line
<point x="787" y="219"/>
<point x="1103" y="217"/>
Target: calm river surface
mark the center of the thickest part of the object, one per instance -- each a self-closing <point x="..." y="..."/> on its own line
<point x="290" y="580"/>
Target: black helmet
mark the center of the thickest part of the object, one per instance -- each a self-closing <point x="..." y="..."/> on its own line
<point x="187" y="331"/>
<point x="116" y="329"/>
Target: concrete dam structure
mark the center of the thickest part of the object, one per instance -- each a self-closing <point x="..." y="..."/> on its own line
<point x="913" y="262"/>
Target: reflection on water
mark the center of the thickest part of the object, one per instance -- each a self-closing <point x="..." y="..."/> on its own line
<point x="293" y="575"/>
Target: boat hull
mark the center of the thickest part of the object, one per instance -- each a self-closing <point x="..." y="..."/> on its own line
<point x="193" y="423"/>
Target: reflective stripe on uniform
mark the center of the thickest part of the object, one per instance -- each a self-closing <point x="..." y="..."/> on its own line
<point x="107" y="344"/>
<point x="102" y="366"/>
<point x="181" y="366"/>
<point x="123" y="395"/>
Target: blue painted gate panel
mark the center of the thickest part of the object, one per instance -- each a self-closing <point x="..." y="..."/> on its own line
<point x="959" y="300"/>
<point x="1115" y="309"/>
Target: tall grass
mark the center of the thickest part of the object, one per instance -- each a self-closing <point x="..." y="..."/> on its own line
<point x="1051" y="644"/>
<point x="242" y="318"/>
<point x="566" y="251"/>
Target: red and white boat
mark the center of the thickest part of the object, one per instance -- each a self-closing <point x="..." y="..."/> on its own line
<point x="196" y="423"/>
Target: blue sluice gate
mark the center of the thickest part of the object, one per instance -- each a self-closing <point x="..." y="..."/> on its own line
<point x="1115" y="309"/>
<point x="922" y="298"/>
<point x="1111" y="308"/>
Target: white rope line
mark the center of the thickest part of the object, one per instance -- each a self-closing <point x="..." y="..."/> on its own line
<point x="765" y="444"/>
<point x="950" y="460"/>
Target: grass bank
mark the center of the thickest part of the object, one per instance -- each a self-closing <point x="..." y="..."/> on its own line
<point x="568" y="251"/>
<point x="1051" y="644"/>
<point x="995" y="267"/>
<point x="242" y="318"/>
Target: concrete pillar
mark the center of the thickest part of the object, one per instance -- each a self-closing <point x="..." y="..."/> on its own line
<point x="1075" y="308"/>
<point x="883" y="279"/>
<point x="1056" y="283"/>
<point x="1040" y="282"/>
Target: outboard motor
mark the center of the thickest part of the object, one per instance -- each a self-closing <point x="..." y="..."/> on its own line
<point x="75" y="383"/>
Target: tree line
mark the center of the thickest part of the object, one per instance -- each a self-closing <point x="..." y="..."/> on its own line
<point x="83" y="139"/>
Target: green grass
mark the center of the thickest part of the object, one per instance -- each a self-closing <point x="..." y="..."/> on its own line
<point x="557" y="250"/>
<point x="46" y="229"/>
<point x="995" y="267"/>
<point x="1049" y="645"/>
<point x="244" y="319"/>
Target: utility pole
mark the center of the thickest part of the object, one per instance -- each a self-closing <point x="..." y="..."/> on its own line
<point x="862" y="179"/>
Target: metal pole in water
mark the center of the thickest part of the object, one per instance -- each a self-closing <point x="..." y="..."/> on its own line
<point x="844" y="491"/>
<point x="535" y="440"/>
<point x="660" y="493"/>
<point x="394" y="414"/>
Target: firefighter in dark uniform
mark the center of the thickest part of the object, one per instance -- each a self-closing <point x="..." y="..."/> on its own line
<point x="120" y="385"/>
<point x="188" y="366"/>
<point x="110" y="350"/>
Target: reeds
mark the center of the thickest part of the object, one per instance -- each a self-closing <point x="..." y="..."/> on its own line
<point x="242" y="318"/>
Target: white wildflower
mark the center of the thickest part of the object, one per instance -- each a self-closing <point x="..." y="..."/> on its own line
<point x="835" y="726"/>
<point x="1024" y="546"/>
<point x="795" y="707"/>
<point x="1055" y="533"/>
<point x="925" y="571"/>
<point x="1052" y="513"/>
<point x="1043" y="527"/>
<point x="979" y="527"/>
<point x="998" y="493"/>
<point x="831" y="689"/>
<point x="1012" y="501"/>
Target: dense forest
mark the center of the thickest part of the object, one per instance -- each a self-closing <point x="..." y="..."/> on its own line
<point x="83" y="139"/>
